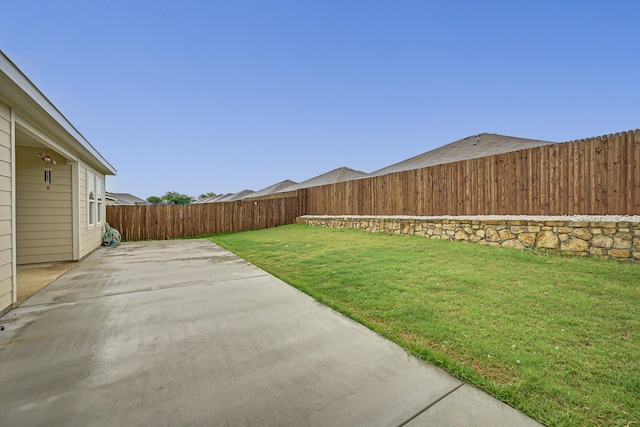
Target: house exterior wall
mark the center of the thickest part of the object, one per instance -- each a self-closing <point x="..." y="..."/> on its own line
<point x="6" y="196"/>
<point x="44" y="218"/>
<point x="90" y="235"/>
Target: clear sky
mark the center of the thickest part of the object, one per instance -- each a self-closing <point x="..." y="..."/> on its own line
<point x="200" y="96"/>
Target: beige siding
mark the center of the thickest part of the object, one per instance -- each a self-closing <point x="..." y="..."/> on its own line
<point x="44" y="217"/>
<point x="90" y="235"/>
<point x="6" y="251"/>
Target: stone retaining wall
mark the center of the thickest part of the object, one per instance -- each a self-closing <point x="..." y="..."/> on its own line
<point x="620" y="240"/>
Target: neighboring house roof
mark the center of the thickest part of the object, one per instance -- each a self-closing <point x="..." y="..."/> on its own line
<point x="214" y="199"/>
<point x="126" y="199"/>
<point x="236" y="196"/>
<point x="331" y="177"/>
<point x="272" y="189"/>
<point x="471" y="147"/>
<point x="204" y="200"/>
<point x="33" y="106"/>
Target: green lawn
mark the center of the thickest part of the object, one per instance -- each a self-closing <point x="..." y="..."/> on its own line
<point x="553" y="336"/>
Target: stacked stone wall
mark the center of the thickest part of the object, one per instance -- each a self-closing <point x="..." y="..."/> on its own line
<point x="608" y="239"/>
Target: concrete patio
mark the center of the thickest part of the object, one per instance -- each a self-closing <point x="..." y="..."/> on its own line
<point x="184" y="333"/>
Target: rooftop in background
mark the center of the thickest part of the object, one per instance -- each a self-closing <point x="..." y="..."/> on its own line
<point x="240" y="195"/>
<point x="275" y="188"/>
<point x="331" y="177"/>
<point x="471" y="147"/>
<point x="126" y="199"/>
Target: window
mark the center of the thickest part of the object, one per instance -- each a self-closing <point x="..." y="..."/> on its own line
<point x="91" y="196"/>
<point x="99" y="198"/>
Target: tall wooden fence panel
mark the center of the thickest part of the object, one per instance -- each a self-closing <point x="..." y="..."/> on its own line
<point x="597" y="176"/>
<point x="159" y="222"/>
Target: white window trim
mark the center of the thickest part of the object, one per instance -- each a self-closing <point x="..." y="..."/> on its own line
<point x="99" y="199"/>
<point x="91" y="210"/>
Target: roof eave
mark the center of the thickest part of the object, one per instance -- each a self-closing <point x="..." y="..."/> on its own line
<point x="31" y="93"/>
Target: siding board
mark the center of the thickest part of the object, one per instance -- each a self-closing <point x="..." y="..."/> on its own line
<point x="37" y="208"/>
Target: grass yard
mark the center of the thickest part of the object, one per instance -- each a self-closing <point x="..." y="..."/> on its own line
<point x="553" y="336"/>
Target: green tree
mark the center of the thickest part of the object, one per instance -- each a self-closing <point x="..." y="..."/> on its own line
<point x="175" y="198"/>
<point x="205" y="195"/>
<point x="154" y="200"/>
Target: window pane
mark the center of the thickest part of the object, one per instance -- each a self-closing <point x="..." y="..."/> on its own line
<point x="91" y="187"/>
<point x="91" y="214"/>
<point x="99" y="189"/>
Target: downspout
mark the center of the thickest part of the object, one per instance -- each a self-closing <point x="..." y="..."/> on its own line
<point x="14" y="249"/>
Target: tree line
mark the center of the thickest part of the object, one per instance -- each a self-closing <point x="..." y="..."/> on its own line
<point x="175" y="198"/>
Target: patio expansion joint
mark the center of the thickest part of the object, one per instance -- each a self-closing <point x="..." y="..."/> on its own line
<point x="432" y="404"/>
<point x="95" y="297"/>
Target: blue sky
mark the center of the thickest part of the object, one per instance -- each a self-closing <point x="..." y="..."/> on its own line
<point x="199" y="96"/>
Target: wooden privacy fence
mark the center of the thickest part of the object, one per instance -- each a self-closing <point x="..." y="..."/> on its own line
<point x="597" y="176"/>
<point x="159" y="222"/>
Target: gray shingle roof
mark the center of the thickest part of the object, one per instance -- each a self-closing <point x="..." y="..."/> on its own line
<point x="471" y="147"/>
<point x="331" y="177"/>
<point x="126" y="199"/>
<point x="240" y="195"/>
<point x="272" y="189"/>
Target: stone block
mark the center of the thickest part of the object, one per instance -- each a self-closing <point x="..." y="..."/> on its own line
<point x="547" y="239"/>
<point x="597" y="251"/>
<point x="563" y="237"/>
<point x="528" y="239"/>
<point x="575" y="245"/>
<point x="554" y="223"/>
<point x="577" y="224"/>
<point x="636" y="244"/>
<point x="517" y="229"/>
<point x="461" y="235"/>
<point x="481" y="233"/>
<point x="610" y="231"/>
<point x="474" y="238"/>
<point x="513" y="244"/>
<point x="582" y="233"/>
<point x="505" y="234"/>
<point x="609" y="225"/>
<point x="596" y="231"/>
<point x="602" y="241"/>
<point x="619" y="253"/>
<point x="492" y="235"/>
<point x="533" y="228"/>
<point x="622" y="241"/>
<point x="565" y="230"/>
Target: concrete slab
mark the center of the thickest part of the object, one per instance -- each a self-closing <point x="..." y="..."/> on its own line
<point x="467" y="406"/>
<point x="33" y="277"/>
<point x="185" y="333"/>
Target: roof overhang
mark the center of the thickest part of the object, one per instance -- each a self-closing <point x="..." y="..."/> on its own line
<point x="35" y="113"/>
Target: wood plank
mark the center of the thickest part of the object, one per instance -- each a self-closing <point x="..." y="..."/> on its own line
<point x="635" y="191"/>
